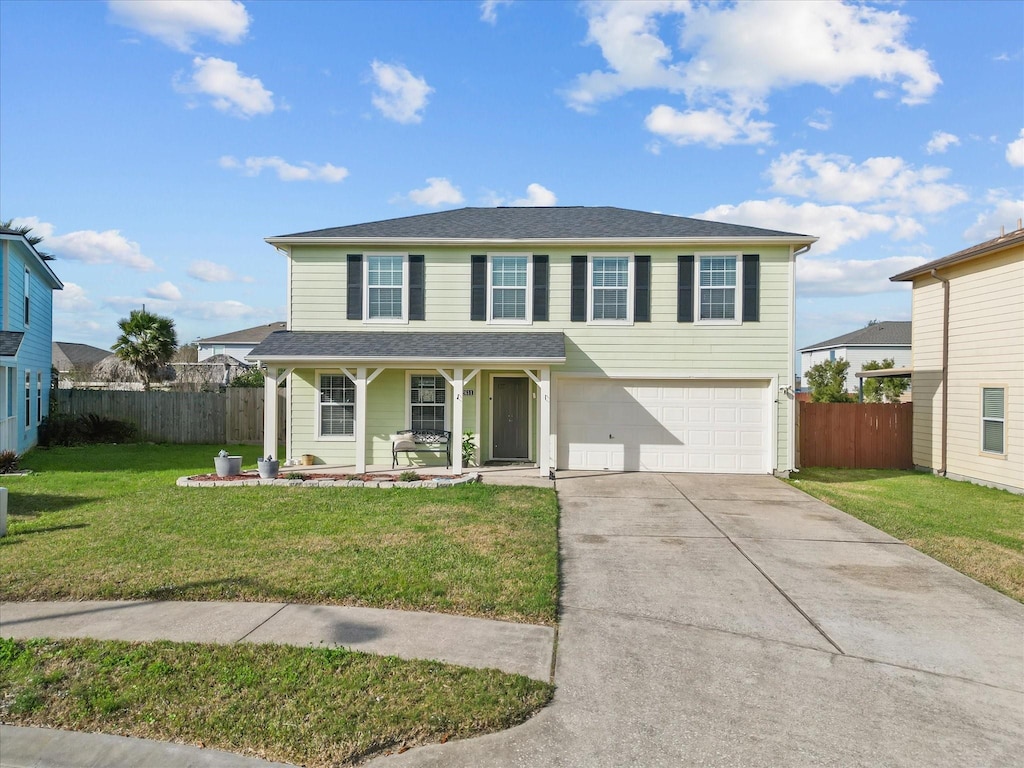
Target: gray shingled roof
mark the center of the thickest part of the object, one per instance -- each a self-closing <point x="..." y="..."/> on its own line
<point x="375" y="345"/>
<point x="996" y="244"/>
<point x="252" y="335"/>
<point x="10" y="343"/>
<point x="551" y="223"/>
<point x="884" y="333"/>
<point x="67" y="354"/>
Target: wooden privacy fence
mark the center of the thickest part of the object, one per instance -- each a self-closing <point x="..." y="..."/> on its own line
<point x="232" y="416"/>
<point x="856" y="435"/>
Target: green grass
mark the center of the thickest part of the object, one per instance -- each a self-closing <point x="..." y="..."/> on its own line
<point x="107" y="522"/>
<point x="978" y="531"/>
<point x="314" y="707"/>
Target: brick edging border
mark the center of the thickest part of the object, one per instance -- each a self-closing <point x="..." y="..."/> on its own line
<point x="188" y="482"/>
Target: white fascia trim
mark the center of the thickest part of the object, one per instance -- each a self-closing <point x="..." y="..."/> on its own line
<point x="672" y="375"/>
<point x="402" y="362"/>
<point x="601" y="242"/>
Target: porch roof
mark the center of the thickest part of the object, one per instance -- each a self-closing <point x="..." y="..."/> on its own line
<point x="398" y="346"/>
<point x="10" y="343"/>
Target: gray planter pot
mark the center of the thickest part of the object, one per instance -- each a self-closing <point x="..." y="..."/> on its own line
<point x="226" y="466"/>
<point x="268" y="468"/>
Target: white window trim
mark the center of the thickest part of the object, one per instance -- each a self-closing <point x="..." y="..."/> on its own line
<point x="984" y="418"/>
<point x="404" y="319"/>
<point x="448" y="397"/>
<point x="630" y="288"/>
<point x="319" y="436"/>
<point x="528" y="320"/>
<point x="737" y="307"/>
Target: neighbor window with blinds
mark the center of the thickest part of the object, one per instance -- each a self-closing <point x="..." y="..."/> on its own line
<point x="993" y="420"/>
<point x="337" y="406"/>
<point x="717" y="295"/>
<point x="427" y="403"/>
<point x="609" y="288"/>
<point x="510" y="287"/>
<point x="385" y="282"/>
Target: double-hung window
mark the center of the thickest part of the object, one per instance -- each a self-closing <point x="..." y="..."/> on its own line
<point x="993" y="420"/>
<point x="510" y="288"/>
<point x="337" y="406"/>
<point x="610" y="287"/>
<point x="427" y="403"/>
<point x="385" y="287"/>
<point x="718" y="297"/>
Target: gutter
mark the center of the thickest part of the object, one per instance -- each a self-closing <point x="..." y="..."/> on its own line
<point x="384" y="242"/>
<point x="945" y="367"/>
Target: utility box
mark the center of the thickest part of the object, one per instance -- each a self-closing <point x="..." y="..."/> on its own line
<point x="3" y="511"/>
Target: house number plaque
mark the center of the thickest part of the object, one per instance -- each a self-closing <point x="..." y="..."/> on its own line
<point x="468" y="392"/>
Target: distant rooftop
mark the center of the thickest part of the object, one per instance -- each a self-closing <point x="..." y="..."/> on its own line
<point x="881" y="334"/>
<point x="253" y="335"/>
<point x="68" y="355"/>
<point x="547" y="223"/>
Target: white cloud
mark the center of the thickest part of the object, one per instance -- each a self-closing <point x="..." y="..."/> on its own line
<point x="885" y="183"/>
<point x="834" y="225"/>
<point x="1001" y="217"/>
<point x="940" y="142"/>
<point x="707" y="126"/>
<point x="438" y="192"/>
<point x="211" y="272"/>
<point x="402" y="96"/>
<point x="851" y="277"/>
<point x="1015" y="151"/>
<point x="821" y="120"/>
<point x="838" y="44"/>
<point x="72" y="299"/>
<point x="536" y="196"/>
<point x="89" y="246"/>
<point x="228" y="309"/>
<point x="166" y="290"/>
<point x="229" y="90"/>
<point x="252" y="166"/>
<point x="489" y="10"/>
<point x="179" y="22"/>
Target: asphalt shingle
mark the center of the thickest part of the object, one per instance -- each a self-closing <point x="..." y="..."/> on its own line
<point x="365" y="345"/>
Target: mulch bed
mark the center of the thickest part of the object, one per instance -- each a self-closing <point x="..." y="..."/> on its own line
<point x="367" y="478"/>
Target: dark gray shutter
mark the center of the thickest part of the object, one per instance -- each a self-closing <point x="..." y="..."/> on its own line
<point x="540" y="287"/>
<point x="642" y="293"/>
<point x="355" y="286"/>
<point x="751" y="288"/>
<point x="578" y="291"/>
<point x="684" y="311"/>
<point x="417" y="309"/>
<point x="478" y="288"/>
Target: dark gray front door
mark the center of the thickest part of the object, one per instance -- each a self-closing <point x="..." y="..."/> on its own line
<point x="511" y="428"/>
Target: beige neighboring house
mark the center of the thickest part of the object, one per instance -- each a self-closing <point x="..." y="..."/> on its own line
<point x="968" y="361"/>
<point x="236" y="344"/>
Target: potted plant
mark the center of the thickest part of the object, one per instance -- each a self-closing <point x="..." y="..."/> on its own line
<point x="268" y="467"/>
<point x="226" y="466"/>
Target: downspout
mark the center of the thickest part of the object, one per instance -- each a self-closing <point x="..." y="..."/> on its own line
<point x="945" y="366"/>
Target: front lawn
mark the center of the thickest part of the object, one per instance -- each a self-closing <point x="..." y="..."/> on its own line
<point x="314" y="707"/>
<point x="107" y="522"/>
<point x="978" y="531"/>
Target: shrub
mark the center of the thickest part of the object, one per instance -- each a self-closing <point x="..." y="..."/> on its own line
<point x="67" y="430"/>
<point x="252" y="378"/>
<point x="9" y="462"/>
<point x="409" y="476"/>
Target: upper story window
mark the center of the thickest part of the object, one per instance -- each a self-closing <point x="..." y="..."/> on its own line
<point x="28" y="291"/>
<point x="427" y="403"/>
<point x="510" y="287"/>
<point x="610" y="287"/>
<point x="385" y="287"/>
<point x="718" y="288"/>
<point x="336" y="408"/>
<point x="993" y="421"/>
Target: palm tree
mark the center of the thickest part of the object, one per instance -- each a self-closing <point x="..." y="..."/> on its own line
<point x="147" y="343"/>
<point x="24" y="230"/>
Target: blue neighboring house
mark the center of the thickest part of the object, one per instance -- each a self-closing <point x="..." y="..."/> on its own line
<point x="26" y="336"/>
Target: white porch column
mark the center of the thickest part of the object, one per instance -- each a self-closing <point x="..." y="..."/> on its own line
<point x="544" y="461"/>
<point x="360" y="427"/>
<point x="457" y="420"/>
<point x="270" y="413"/>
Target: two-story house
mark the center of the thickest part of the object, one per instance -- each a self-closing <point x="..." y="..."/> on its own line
<point x="569" y="337"/>
<point x="26" y="314"/>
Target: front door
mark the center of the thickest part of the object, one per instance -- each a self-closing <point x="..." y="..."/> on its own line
<point x="511" y="409"/>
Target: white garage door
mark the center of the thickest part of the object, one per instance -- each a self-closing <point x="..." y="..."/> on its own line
<point x="664" y="426"/>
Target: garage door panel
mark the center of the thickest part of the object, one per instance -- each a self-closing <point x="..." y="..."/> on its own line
<point x="669" y="426"/>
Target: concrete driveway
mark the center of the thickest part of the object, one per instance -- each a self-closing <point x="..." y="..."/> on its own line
<point x="734" y="621"/>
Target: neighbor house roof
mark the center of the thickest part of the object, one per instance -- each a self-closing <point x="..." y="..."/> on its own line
<point x="994" y="245"/>
<point x="252" y="335"/>
<point x="390" y="345"/>
<point x="887" y="333"/>
<point x="548" y="223"/>
<point x="68" y="355"/>
<point x="10" y="343"/>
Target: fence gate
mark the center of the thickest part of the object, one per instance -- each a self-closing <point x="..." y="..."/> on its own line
<point x="856" y="435"/>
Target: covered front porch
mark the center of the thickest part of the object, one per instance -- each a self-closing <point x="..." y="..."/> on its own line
<point x="350" y="392"/>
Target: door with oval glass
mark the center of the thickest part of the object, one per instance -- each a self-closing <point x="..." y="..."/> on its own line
<point x="510" y="409"/>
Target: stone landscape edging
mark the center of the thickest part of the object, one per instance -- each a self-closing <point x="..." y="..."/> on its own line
<point x="188" y="482"/>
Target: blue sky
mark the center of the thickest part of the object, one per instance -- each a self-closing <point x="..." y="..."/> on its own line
<point x="155" y="144"/>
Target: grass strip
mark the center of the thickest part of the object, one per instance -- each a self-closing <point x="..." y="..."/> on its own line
<point x="314" y="707"/>
<point x="978" y="531"/>
<point x="107" y="522"/>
